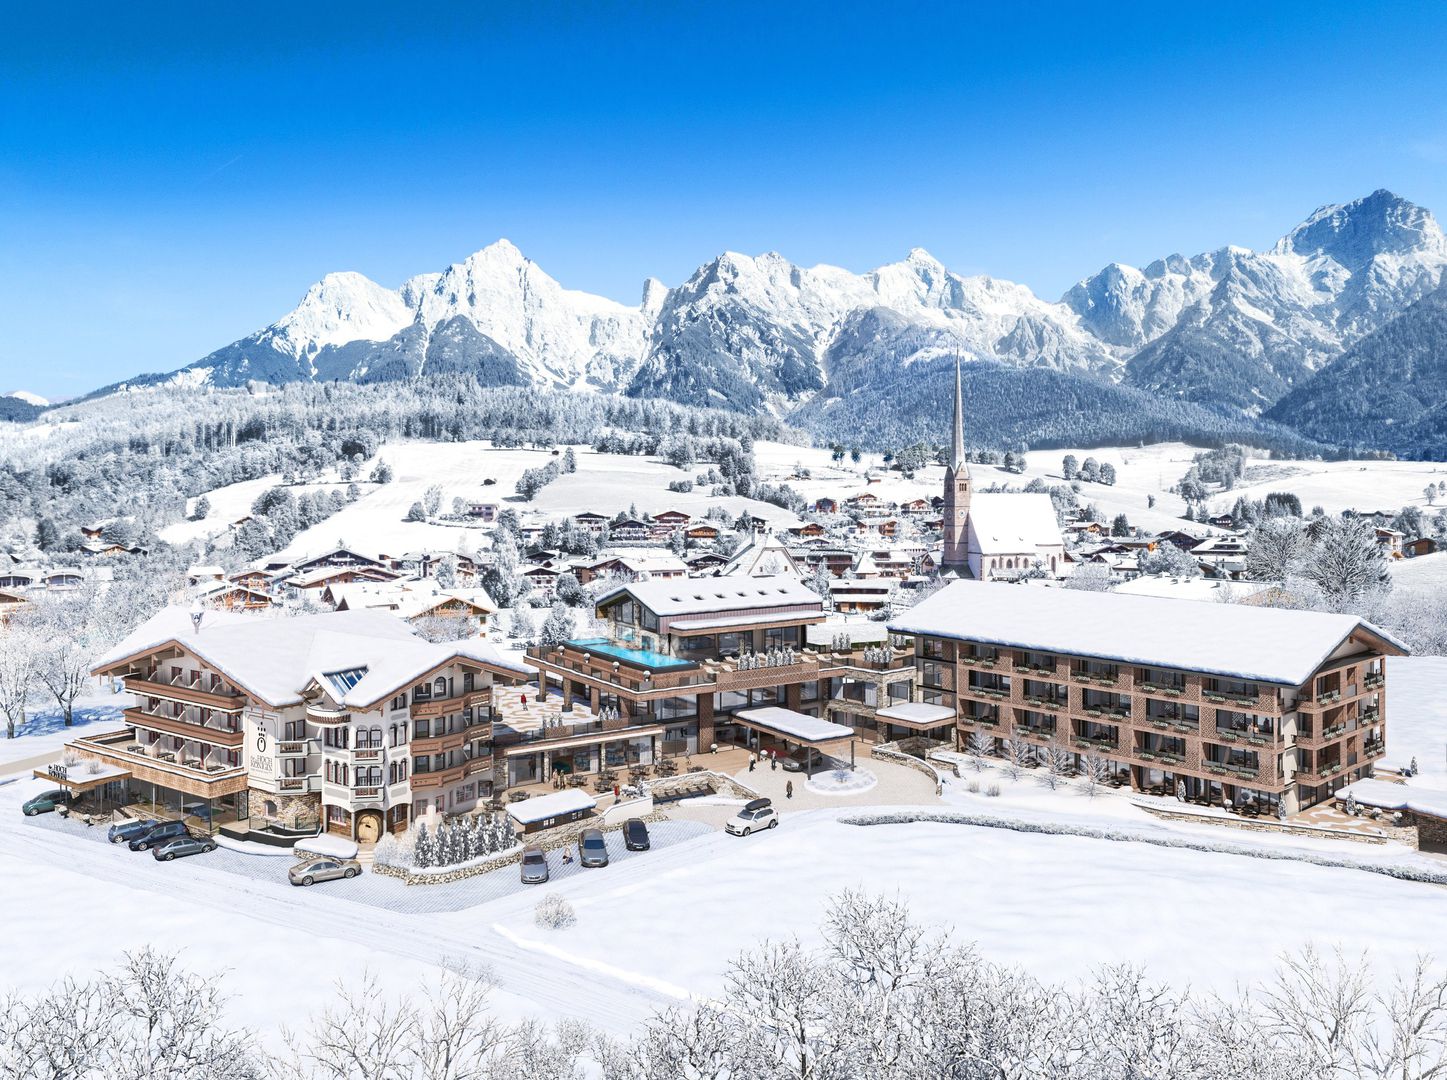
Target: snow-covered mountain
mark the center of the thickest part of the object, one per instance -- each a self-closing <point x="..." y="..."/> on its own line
<point x="27" y="397"/>
<point x="1237" y="328"/>
<point x="1232" y="329"/>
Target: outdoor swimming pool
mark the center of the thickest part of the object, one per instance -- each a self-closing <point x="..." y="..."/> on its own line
<point x="644" y="658"/>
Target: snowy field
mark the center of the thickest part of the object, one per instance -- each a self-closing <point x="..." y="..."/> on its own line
<point x="1058" y="906"/>
<point x="44" y="730"/>
<point x="604" y="483"/>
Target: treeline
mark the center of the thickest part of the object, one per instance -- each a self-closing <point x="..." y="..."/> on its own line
<point x="887" y="407"/>
<point x="142" y="454"/>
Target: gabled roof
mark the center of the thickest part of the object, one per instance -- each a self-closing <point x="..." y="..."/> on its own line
<point x="1274" y="645"/>
<point x="1008" y="523"/>
<point x="703" y="596"/>
<point x="275" y="659"/>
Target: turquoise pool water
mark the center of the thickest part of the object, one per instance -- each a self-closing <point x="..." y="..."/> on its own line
<point x="646" y="658"/>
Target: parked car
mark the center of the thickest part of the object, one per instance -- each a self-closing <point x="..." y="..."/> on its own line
<point x="189" y="844"/>
<point x="159" y="833"/>
<point x="794" y="762"/>
<point x="755" y="815"/>
<point x="635" y="835"/>
<point x="129" y="830"/>
<point x="534" y="866"/>
<point x="314" y="870"/>
<point x="592" y="848"/>
<point x="46" y="801"/>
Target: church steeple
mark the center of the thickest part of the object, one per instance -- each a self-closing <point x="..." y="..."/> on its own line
<point x="956" y="558"/>
<point x="957" y="452"/>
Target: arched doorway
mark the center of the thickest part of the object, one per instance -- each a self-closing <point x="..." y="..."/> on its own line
<point x="369" y="826"/>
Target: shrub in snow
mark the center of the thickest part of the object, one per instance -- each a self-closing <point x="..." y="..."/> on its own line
<point x="973" y="787"/>
<point x="70" y="759"/>
<point x="93" y="767"/>
<point x="993" y="791"/>
<point x="554" y="913"/>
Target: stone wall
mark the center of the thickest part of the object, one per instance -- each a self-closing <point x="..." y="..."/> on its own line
<point x="292" y="811"/>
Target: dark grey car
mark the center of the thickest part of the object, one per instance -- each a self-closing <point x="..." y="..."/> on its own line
<point x="635" y="835"/>
<point x="534" y="866"/>
<point x="158" y="834"/>
<point x="182" y="846"/>
<point x="592" y="848"/>
<point x="126" y="831"/>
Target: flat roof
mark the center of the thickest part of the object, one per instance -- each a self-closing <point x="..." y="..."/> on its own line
<point x="917" y="714"/>
<point x="801" y="727"/>
<point x="723" y="622"/>
<point x="1274" y="645"/>
<point x="567" y="801"/>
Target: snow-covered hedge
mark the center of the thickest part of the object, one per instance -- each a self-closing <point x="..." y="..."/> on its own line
<point x="453" y="843"/>
<point x="1053" y="828"/>
<point x="554" y="913"/>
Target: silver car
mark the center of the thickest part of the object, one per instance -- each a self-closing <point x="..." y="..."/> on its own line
<point x="534" y="866"/>
<point x="314" y="870"/>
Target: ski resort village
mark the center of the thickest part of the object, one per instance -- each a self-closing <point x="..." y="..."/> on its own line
<point x="593" y="729"/>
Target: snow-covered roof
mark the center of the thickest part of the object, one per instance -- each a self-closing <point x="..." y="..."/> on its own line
<point x="706" y="596"/>
<point x="762" y="556"/>
<point x="567" y="801"/>
<point x="1013" y="522"/>
<point x="1241" y="641"/>
<point x="275" y="659"/>
<point x="1385" y="795"/>
<point x="409" y="599"/>
<point x="919" y="713"/>
<point x="801" y="727"/>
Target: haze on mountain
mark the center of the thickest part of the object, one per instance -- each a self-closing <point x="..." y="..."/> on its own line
<point x="1228" y="333"/>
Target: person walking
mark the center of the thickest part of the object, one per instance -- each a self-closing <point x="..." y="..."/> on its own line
<point x="789" y="790"/>
<point x="525" y="701"/>
<point x="773" y="762"/>
<point x="753" y="760"/>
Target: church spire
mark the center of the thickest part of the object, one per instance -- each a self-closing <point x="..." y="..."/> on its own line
<point x="957" y="452"/>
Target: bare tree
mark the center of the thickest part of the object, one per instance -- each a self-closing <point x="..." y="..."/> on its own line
<point x="1097" y="772"/>
<point x="1019" y="756"/>
<point x="64" y="636"/>
<point x="1059" y="763"/>
<point x="979" y="746"/>
<point x="19" y="660"/>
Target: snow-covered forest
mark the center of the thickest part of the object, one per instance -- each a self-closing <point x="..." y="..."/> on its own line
<point x="885" y="996"/>
<point x="142" y="454"/>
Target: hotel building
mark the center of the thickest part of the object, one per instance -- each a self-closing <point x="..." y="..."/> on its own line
<point x="1213" y="702"/>
<point x="274" y="726"/>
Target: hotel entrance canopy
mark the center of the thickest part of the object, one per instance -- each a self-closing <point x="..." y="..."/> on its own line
<point x="793" y="726"/>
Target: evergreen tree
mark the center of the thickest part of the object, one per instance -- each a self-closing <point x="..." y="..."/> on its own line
<point x="1107" y="473"/>
<point x="202" y="509"/>
<point x="1069" y="467"/>
<point x="47" y="535"/>
<point x="381" y="473"/>
<point x="558" y="626"/>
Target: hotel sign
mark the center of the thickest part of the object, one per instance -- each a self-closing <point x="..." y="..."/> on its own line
<point x="262" y="732"/>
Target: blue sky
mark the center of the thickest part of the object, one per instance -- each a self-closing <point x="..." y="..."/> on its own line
<point x="174" y="178"/>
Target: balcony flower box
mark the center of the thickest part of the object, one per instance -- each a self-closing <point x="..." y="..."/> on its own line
<point x="1211" y="695"/>
<point x="1148" y="755"/>
<point x="1328" y="697"/>
<point x="1174" y="759"/>
<point x="1162" y="724"/>
<point x="987" y="663"/>
<point x="1370" y="716"/>
<point x="1095" y="711"/>
<point x="1079" y="677"/>
<point x="1083" y="744"/>
<point x="1182" y="726"/>
<point x="969" y="660"/>
<point x="1333" y="731"/>
<point x="1120" y="714"/>
<point x="1372" y="682"/>
<point x="1177" y="690"/>
<point x="1225" y="736"/>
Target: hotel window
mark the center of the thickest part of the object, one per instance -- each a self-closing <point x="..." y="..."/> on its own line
<point x="293" y="731"/>
<point x="933" y="648"/>
<point x="735" y="643"/>
<point x="809" y="691"/>
<point x="777" y="637"/>
<point x="439" y="687"/>
<point x="647" y="619"/>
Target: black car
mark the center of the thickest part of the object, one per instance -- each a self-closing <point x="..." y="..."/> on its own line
<point x="158" y="834"/>
<point x="635" y="835"/>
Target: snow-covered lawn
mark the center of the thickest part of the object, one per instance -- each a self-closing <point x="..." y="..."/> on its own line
<point x="841" y="781"/>
<point x="1058" y="906"/>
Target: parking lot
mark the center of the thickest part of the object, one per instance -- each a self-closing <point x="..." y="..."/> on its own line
<point x="372" y="889"/>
